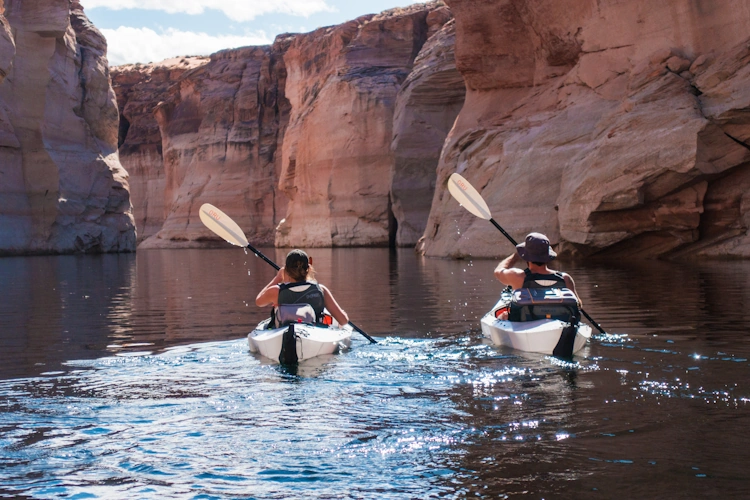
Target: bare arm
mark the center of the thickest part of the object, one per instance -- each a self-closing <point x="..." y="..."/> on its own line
<point x="333" y="307"/>
<point x="269" y="296"/>
<point x="509" y="275"/>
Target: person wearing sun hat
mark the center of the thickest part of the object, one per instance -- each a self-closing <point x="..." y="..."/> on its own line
<point x="537" y="252"/>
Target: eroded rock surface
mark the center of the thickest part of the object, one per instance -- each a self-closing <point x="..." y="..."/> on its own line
<point x="207" y="131"/>
<point x="140" y="88"/>
<point x="342" y="84"/>
<point x="426" y="107"/>
<point x="62" y="188"/>
<point x="616" y="128"/>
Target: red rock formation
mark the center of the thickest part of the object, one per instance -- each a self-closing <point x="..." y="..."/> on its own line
<point x="342" y="84"/>
<point x="140" y="88"/>
<point x="208" y="134"/>
<point x="62" y="188"/>
<point x="426" y="107"/>
<point x="617" y="128"/>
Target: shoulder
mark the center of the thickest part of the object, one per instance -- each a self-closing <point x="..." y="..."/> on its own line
<point x="513" y="277"/>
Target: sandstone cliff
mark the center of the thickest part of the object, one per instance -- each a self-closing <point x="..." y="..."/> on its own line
<point x="197" y="130"/>
<point x="617" y="128"/>
<point x="426" y="107"/>
<point x="62" y="188"/>
<point x="139" y="89"/>
<point x="337" y="163"/>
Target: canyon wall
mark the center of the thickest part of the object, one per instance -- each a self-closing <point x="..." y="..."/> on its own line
<point x="426" y="107"/>
<point x="342" y="83"/>
<point x="616" y="128"/>
<point x="62" y="188"/>
<point x="205" y="130"/>
<point x="140" y="88"/>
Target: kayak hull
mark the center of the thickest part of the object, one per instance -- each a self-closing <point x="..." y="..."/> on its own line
<point x="311" y="340"/>
<point x="532" y="336"/>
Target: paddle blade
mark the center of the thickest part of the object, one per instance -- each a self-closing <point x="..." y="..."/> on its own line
<point x="221" y="224"/>
<point x="468" y="197"/>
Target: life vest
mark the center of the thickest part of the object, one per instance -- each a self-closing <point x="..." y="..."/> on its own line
<point x="538" y="280"/>
<point x="544" y="296"/>
<point x="303" y="293"/>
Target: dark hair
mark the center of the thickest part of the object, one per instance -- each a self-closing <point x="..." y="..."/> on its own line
<point x="539" y="263"/>
<point x="298" y="266"/>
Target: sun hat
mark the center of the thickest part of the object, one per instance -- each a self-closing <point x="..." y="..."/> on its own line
<point x="536" y="248"/>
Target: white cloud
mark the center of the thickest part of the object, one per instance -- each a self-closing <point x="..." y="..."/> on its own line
<point x="237" y="10"/>
<point x="130" y="45"/>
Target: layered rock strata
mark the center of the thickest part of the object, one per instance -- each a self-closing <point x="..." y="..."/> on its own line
<point x="207" y="131"/>
<point x="140" y="88"/>
<point x="62" y="188"/>
<point x="617" y="128"/>
<point x="342" y="84"/>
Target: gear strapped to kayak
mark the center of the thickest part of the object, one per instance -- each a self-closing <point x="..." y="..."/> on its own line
<point x="529" y="304"/>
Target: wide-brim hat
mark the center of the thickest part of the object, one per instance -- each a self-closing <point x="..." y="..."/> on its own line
<point x="536" y="248"/>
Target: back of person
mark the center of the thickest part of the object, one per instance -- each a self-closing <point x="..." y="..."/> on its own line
<point x="564" y="310"/>
<point x="297" y="296"/>
<point x="528" y="303"/>
<point x="301" y="293"/>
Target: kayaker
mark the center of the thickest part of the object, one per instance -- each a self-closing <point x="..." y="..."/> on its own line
<point x="537" y="253"/>
<point x="295" y="284"/>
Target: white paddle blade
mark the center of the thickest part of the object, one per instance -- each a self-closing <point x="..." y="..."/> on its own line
<point x="221" y="224"/>
<point x="468" y="197"/>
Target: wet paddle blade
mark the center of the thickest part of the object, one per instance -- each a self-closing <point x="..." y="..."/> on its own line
<point x="221" y="224"/>
<point x="468" y="197"/>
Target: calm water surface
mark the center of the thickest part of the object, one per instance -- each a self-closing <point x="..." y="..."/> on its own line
<point x="129" y="377"/>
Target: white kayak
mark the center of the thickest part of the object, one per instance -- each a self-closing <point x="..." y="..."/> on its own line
<point x="532" y="336"/>
<point x="311" y="340"/>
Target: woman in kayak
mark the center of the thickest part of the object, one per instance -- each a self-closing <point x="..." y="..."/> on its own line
<point x="537" y="253"/>
<point x="295" y="284"/>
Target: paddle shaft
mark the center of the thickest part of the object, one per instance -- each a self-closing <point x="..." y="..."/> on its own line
<point x="275" y="266"/>
<point x="259" y="254"/>
<point x="503" y="231"/>
<point x="591" y="320"/>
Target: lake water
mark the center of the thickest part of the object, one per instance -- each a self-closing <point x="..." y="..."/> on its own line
<point x="129" y="376"/>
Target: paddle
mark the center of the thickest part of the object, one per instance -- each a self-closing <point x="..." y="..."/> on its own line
<point x="223" y="225"/>
<point x="471" y="200"/>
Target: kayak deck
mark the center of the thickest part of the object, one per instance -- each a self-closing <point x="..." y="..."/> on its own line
<point x="311" y="340"/>
<point x="532" y="336"/>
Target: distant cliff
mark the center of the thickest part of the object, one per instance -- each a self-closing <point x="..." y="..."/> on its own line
<point x="62" y="188"/>
<point x="200" y="130"/>
<point x="292" y="140"/>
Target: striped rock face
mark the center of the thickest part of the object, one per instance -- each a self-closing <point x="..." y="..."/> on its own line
<point x="62" y="188"/>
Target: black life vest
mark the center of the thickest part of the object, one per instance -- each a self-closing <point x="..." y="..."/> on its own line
<point x="303" y="293"/>
<point x="563" y="312"/>
<point x="538" y="280"/>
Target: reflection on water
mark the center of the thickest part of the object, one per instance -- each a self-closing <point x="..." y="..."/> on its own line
<point x="129" y="376"/>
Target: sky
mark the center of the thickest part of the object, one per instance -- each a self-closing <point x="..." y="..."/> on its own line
<point x="154" y="30"/>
